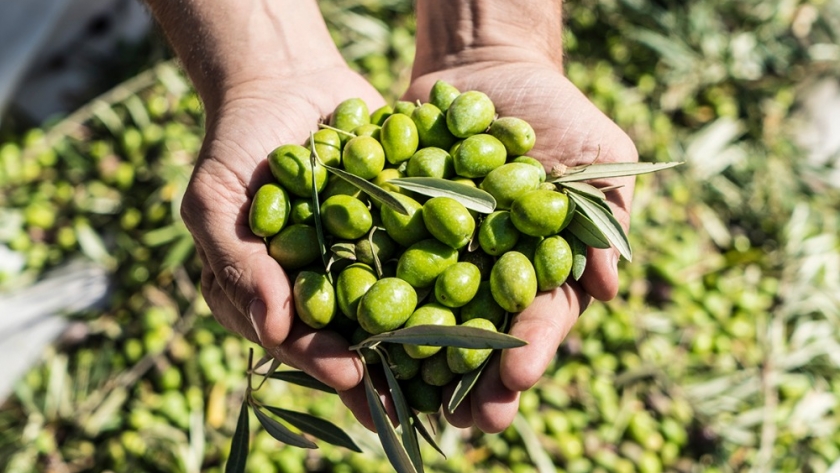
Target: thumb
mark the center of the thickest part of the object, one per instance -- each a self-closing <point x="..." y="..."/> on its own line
<point x="255" y="285"/>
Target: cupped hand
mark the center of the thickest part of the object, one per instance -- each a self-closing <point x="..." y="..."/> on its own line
<point x="247" y="290"/>
<point x="570" y="130"/>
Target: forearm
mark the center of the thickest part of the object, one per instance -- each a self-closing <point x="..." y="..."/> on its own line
<point x="223" y="43"/>
<point x="451" y="33"/>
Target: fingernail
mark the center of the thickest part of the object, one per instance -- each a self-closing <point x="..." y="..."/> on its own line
<point x="257" y="312"/>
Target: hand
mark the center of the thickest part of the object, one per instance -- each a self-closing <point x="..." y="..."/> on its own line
<point x="247" y="290"/>
<point x="569" y="130"/>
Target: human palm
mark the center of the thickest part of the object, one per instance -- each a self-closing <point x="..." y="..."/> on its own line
<point x="248" y="292"/>
<point x="570" y="130"/>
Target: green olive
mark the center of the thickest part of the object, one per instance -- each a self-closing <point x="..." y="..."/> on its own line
<point x="370" y="130"/>
<point x="399" y="138"/>
<point x="428" y="314"/>
<point x="346" y="217"/>
<point x="515" y="133"/>
<point x="431" y="127"/>
<point x="513" y="282"/>
<point x="464" y="360"/>
<point x="484" y="306"/>
<point x="364" y="157"/>
<point x="403" y="366"/>
<point x="532" y="162"/>
<point x="431" y="162"/>
<point x="497" y="234"/>
<point x="327" y="146"/>
<point x="552" y="262"/>
<point x="435" y="371"/>
<point x="421" y="396"/>
<point x="302" y="211"/>
<point x="405" y="229"/>
<point x="348" y="115"/>
<point x="405" y="107"/>
<point x="478" y="155"/>
<point x="269" y="210"/>
<point x="314" y="299"/>
<point x="291" y="166"/>
<point x="423" y="262"/>
<point x="509" y="181"/>
<point x="352" y="283"/>
<point x="295" y="246"/>
<point x="540" y="212"/>
<point x="442" y="95"/>
<point x="470" y="113"/>
<point x="338" y="186"/>
<point x="481" y="260"/>
<point x="384" y="247"/>
<point x="448" y="221"/>
<point x="380" y="114"/>
<point x="386" y="305"/>
<point x="457" y="284"/>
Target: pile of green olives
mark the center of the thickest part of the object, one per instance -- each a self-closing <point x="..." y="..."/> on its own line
<point x="441" y="263"/>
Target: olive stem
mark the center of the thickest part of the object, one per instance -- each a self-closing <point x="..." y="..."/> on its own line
<point x="337" y="130"/>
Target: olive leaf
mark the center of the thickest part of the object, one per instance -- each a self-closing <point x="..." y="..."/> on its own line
<point x="472" y="198"/>
<point x="275" y="363"/>
<point x="585" y="189"/>
<point x="385" y="430"/>
<point x="239" y="445"/>
<point x="316" y="204"/>
<point x="377" y="265"/>
<point x="445" y="336"/>
<point x="375" y="192"/>
<point x="344" y="251"/>
<point x="301" y="378"/>
<point x="421" y="429"/>
<point x="317" y="427"/>
<point x="608" y="170"/>
<point x="606" y="222"/>
<point x="280" y="432"/>
<point x="585" y="230"/>
<point x="408" y="434"/>
<point x="464" y="387"/>
<point x="578" y="255"/>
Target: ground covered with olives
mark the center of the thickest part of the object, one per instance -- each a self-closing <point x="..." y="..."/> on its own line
<point x="716" y="356"/>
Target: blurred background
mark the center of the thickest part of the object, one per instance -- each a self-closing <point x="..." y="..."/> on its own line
<point x="721" y="353"/>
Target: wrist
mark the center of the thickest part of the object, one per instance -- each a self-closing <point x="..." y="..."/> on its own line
<point x="460" y="32"/>
<point x="223" y="44"/>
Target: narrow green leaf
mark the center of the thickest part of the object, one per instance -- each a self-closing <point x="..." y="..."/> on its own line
<point x="301" y="378"/>
<point x="464" y="387"/>
<point x="344" y="251"/>
<point x="608" y="170"/>
<point x="317" y="427"/>
<point x="578" y="255"/>
<point x="585" y="189"/>
<point x="587" y="232"/>
<point x="385" y="430"/>
<point x="281" y="433"/>
<point x="377" y="265"/>
<point x="239" y="445"/>
<point x="445" y="336"/>
<point x="409" y="436"/>
<point x="471" y="197"/>
<point x="421" y="429"/>
<point x="316" y="204"/>
<point x="607" y="223"/>
<point x="375" y="192"/>
<point x="275" y="363"/>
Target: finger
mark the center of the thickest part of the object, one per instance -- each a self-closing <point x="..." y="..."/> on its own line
<point x="494" y="405"/>
<point x="356" y="400"/>
<point x="323" y="354"/>
<point x="462" y="417"/>
<point x="254" y="283"/>
<point x="544" y="324"/>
